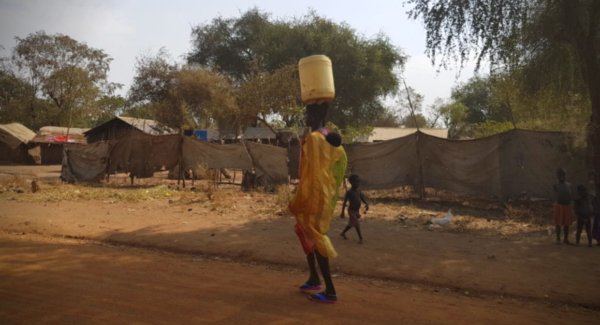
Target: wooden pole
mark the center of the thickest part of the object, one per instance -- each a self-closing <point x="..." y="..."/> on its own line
<point x="512" y="115"/>
<point x="180" y="174"/>
<point x="412" y="110"/>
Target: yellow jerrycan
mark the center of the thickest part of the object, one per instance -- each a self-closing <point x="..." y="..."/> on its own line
<point x="316" y="79"/>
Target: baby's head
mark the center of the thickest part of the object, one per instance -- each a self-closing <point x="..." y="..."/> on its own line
<point x="334" y="139"/>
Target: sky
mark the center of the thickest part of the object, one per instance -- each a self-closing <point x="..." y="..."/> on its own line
<point x="126" y="28"/>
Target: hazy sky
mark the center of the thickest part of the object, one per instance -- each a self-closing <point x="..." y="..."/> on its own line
<point x="126" y="28"/>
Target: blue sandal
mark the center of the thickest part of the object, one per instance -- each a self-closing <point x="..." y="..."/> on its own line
<point x="323" y="297"/>
<point x="308" y="287"/>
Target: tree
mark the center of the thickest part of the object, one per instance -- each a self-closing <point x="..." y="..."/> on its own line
<point x="108" y="107"/>
<point x="363" y="67"/>
<point x="182" y="96"/>
<point x="69" y="74"/>
<point x="388" y="119"/>
<point x="265" y="94"/>
<point x="455" y="116"/>
<point x="555" y="43"/>
<point x="476" y="94"/>
<point x="418" y="120"/>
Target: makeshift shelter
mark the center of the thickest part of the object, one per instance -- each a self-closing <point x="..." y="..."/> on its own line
<point x="14" y="138"/>
<point x="84" y="163"/>
<point x="383" y="134"/>
<point x="225" y="136"/>
<point x="51" y="140"/>
<point x="141" y="154"/>
<point x="506" y="165"/>
<point x="122" y="125"/>
<point x="287" y="138"/>
<point x="60" y="130"/>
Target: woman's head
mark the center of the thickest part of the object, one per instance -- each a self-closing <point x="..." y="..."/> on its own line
<point x="316" y="113"/>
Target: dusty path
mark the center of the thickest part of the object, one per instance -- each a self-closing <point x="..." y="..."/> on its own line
<point x="55" y="281"/>
<point x="535" y="270"/>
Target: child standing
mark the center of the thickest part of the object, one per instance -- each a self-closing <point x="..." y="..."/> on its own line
<point x="355" y="196"/>
<point x="584" y="209"/>
<point x="563" y="213"/>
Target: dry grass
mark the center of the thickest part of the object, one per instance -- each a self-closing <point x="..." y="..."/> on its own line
<point x="475" y="217"/>
<point x="283" y="196"/>
<point x="55" y="192"/>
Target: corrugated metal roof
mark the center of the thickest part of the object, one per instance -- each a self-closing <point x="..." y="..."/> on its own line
<point x="14" y="134"/>
<point x="383" y="134"/>
<point x="148" y="126"/>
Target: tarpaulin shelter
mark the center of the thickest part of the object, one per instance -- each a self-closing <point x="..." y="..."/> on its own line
<point x="51" y="140"/>
<point x="122" y="125"/>
<point x="85" y="163"/>
<point x="141" y="154"/>
<point x="506" y="165"/>
<point x="14" y="139"/>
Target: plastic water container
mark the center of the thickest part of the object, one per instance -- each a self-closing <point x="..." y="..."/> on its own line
<point x="316" y="79"/>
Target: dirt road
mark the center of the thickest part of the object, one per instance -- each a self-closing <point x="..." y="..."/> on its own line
<point x="535" y="270"/>
<point x="54" y="281"/>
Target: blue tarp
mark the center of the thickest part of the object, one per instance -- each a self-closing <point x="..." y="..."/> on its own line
<point x="198" y="134"/>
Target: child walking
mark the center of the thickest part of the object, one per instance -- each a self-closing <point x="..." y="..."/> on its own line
<point x="563" y="213"/>
<point x="584" y="209"/>
<point x="355" y="196"/>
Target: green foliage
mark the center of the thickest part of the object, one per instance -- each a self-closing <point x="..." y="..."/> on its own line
<point x="108" y="108"/>
<point x="490" y="128"/>
<point x="388" y="119"/>
<point x="351" y="134"/>
<point x="55" y="80"/>
<point x="363" y="67"/>
<point x="417" y="121"/>
<point x="453" y="116"/>
<point x="143" y="111"/>
<point x="266" y="94"/>
<point x="182" y="96"/>
<point x="476" y="94"/>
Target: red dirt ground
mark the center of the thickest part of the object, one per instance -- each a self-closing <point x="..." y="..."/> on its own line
<point x="473" y="273"/>
<point x="57" y="281"/>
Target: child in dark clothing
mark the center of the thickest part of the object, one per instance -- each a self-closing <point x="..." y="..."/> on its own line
<point x="584" y="210"/>
<point x="355" y="196"/>
<point x="563" y="212"/>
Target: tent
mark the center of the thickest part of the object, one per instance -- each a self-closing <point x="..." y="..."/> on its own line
<point x="14" y="138"/>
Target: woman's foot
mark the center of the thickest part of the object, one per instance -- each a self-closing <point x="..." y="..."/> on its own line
<point x="323" y="297"/>
<point x="558" y="242"/>
<point x="360" y="241"/>
<point x="343" y="236"/>
<point x="310" y="287"/>
<point x="566" y="242"/>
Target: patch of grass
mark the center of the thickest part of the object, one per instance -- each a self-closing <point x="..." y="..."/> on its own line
<point x="56" y="192"/>
<point x="283" y="196"/>
<point x="462" y="223"/>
